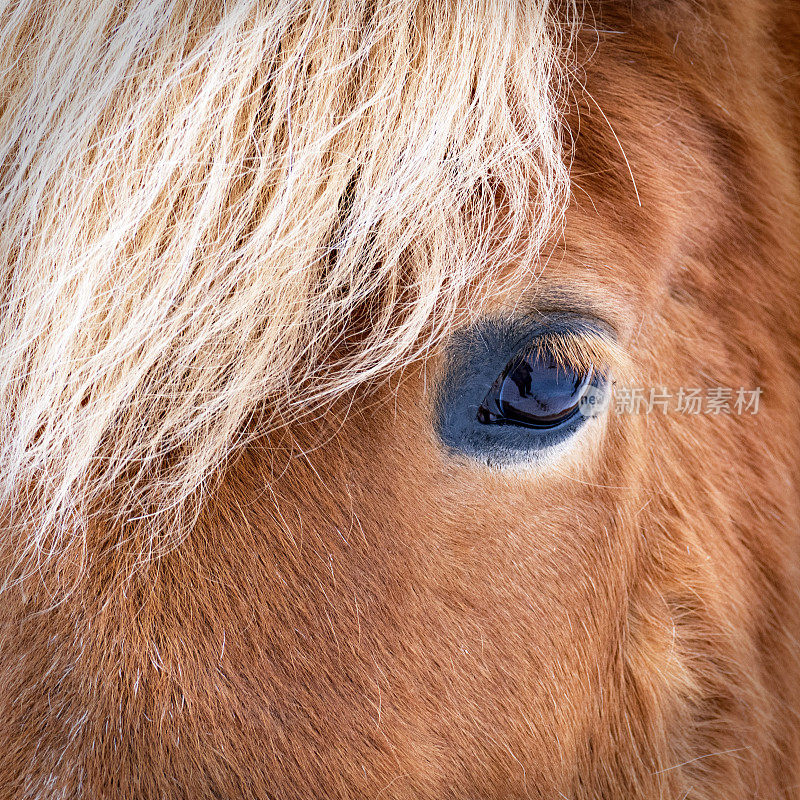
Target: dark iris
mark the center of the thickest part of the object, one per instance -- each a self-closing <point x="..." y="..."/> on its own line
<point x="535" y="391"/>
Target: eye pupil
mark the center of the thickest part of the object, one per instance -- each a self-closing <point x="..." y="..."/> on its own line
<point x="535" y="391"/>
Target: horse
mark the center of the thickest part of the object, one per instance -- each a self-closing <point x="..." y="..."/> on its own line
<point x="398" y="399"/>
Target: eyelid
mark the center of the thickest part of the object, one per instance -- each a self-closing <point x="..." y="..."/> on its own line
<point x="582" y="349"/>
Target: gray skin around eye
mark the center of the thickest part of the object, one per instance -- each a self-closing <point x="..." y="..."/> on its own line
<point x="475" y="358"/>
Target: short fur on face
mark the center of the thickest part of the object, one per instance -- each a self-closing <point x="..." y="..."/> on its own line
<point x="236" y="560"/>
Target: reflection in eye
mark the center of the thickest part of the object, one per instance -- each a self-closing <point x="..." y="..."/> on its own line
<point x="535" y="391"/>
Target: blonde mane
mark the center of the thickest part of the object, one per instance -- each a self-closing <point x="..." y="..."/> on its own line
<point x="208" y="210"/>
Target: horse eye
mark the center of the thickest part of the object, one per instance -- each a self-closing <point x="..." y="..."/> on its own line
<point x="535" y="391"/>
